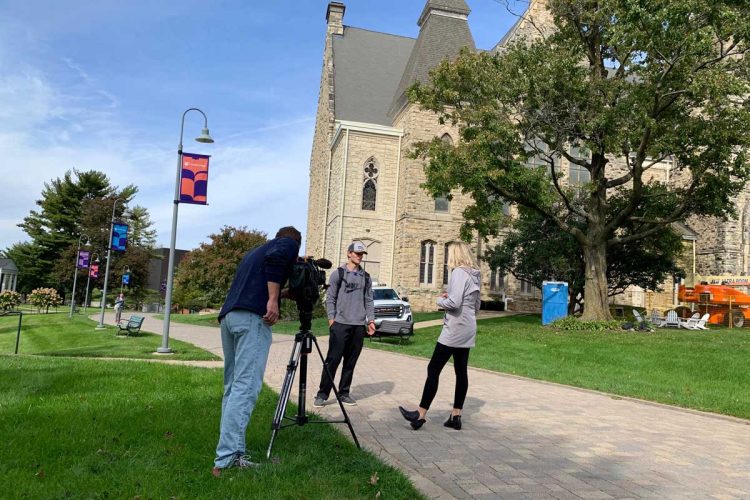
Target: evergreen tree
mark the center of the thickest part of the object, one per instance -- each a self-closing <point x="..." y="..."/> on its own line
<point x="55" y="227"/>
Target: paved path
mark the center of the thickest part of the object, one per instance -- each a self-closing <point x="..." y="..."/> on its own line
<point x="523" y="438"/>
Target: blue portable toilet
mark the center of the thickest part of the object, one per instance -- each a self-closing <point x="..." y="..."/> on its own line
<point x="554" y="301"/>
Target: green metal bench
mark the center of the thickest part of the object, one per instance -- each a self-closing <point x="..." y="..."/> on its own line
<point x="131" y="325"/>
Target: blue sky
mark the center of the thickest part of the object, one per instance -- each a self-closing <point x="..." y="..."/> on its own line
<point x="102" y="85"/>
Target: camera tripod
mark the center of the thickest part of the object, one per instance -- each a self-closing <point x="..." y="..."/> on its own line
<point x="303" y="342"/>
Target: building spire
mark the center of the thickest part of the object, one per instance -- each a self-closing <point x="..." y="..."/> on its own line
<point x="443" y="32"/>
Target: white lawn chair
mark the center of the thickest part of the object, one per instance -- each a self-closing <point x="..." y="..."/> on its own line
<point x="701" y="325"/>
<point x="672" y="319"/>
<point x="656" y="320"/>
<point x="691" y="323"/>
<point x="638" y="318"/>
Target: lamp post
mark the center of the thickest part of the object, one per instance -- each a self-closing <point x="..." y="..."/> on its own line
<point x="75" y="274"/>
<point x="205" y="137"/>
<point x="100" y="326"/>
<point x="88" y="281"/>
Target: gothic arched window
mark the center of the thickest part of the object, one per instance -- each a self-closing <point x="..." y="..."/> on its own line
<point x="442" y="203"/>
<point x="426" y="262"/>
<point x="370" y="184"/>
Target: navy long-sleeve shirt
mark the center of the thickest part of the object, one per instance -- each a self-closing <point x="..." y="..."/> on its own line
<point x="269" y="262"/>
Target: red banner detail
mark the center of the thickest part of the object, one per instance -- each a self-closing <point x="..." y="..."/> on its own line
<point x="194" y="179"/>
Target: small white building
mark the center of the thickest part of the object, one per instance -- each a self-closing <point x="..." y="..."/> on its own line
<point x="8" y="275"/>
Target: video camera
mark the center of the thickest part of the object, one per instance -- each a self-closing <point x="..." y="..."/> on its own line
<point x="305" y="283"/>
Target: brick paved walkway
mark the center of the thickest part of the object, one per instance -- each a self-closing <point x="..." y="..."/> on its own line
<point x="523" y="438"/>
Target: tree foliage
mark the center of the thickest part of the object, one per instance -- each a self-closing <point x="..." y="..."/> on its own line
<point x="205" y="274"/>
<point x="55" y="227"/>
<point x="630" y="82"/>
<point x="32" y="272"/>
<point x="535" y="250"/>
<point x="82" y="203"/>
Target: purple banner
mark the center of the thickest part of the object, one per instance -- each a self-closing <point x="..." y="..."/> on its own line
<point x="84" y="256"/>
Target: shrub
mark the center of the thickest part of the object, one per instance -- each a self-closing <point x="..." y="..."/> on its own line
<point x="9" y="300"/>
<point x="571" y="323"/>
<point x="288" y="310"/>
<point x="44" y="298"/>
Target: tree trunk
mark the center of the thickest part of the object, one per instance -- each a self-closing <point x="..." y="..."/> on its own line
<point x="596" y="302"/>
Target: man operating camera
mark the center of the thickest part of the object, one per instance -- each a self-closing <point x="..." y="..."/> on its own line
<point x="250" y="309"/>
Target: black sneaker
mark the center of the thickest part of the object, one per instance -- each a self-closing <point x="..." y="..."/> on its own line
<point x="319" y="402"/>
<point x="348" y="400"/>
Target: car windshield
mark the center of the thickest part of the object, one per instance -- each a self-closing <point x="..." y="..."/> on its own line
<point x="384" y="294"/>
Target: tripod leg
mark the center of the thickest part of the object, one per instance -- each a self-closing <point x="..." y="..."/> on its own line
<point x="336" y="392"/>
<point x="286" y="389"/>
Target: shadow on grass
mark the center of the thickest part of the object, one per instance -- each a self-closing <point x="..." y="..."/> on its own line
<point x="123" y="429"/>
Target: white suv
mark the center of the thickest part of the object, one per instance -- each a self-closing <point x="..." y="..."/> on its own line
<point x="392" y="313"/>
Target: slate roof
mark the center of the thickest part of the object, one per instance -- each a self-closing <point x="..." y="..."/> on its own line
<point x="440" y="37"/>
<point x="8" y="265"/>
<point x="367" y="69"/>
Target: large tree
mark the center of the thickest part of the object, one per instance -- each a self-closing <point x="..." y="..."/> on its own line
<point x="205" y="274"/>
<point x="534" y="249"/>
<point x="54" y="229"/>
<point x="95" y="220"/>
<point x="631" y="82"/>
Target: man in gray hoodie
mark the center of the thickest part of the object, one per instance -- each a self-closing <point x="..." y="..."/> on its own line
<point x="350" y="307"/>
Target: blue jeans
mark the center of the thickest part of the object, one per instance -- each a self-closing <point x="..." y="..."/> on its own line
<point x="246" y="340"/>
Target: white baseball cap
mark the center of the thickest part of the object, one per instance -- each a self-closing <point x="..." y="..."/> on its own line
<point x="357" y="247"/>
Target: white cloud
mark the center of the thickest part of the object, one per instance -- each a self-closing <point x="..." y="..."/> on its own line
<point x="56" y="114"/>
<point x="258" y="178"/>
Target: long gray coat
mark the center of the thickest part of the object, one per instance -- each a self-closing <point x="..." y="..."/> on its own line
<point x="461" y="306"/>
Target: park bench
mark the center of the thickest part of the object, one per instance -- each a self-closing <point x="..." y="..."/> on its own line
<point x="131" y="325"/>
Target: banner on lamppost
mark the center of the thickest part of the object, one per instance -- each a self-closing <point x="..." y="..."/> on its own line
<point x="119" y="237"/>
<point x="126" y="279"/>
<point x="194" y="179"/>
<point x="83" y="259"/>
<point x="94" y="270"/>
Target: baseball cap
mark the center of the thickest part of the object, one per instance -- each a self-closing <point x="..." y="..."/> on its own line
<point x="357" y="247"/>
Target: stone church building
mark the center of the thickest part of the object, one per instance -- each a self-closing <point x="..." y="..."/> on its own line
<point x="363" y="185"/>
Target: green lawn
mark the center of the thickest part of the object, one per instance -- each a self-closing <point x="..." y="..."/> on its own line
<point x="192" y="319"/>
<point x="117" y="429"/>
<point x="706" y="370"/>
<point x="58" y="335"/>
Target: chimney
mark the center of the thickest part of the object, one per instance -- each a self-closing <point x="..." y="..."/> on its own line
<point x="335" y="18"/>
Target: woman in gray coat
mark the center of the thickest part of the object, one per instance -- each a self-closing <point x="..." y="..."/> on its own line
<point x="461" y="303"/>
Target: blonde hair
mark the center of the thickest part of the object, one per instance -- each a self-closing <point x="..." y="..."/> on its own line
<point x="460" y="255"/>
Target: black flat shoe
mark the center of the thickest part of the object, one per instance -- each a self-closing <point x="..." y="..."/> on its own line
<point x="454" y="422"/>
<point x="416" y="424"/>
<point x="411" y="416"/>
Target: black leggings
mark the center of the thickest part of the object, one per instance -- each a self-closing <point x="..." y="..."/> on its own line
<point x="440" y="357"/>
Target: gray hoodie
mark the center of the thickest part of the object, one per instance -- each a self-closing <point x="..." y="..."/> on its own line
<point x="461" y="306"/>
<point x="346" y="301"/>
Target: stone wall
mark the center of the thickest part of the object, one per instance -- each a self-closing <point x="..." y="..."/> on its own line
<point x="377" y="225"/>
<point x="324" y="123"/>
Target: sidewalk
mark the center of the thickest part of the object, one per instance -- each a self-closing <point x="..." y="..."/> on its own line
<point x="522" y="438"/>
